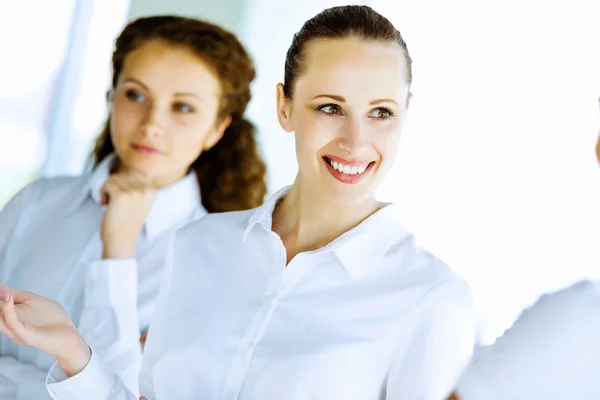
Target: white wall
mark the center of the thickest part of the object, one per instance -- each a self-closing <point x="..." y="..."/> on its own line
<point x="227" y="13"/>
<point x="496" y="171"/>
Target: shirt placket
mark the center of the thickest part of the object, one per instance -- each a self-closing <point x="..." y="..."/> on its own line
<point x="256" y="328"/>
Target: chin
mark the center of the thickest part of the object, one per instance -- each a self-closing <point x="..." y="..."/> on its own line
<point x="346" y="195"/>
<point x="142" y="167"/>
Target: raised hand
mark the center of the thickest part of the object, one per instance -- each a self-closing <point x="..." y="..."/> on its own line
<point x="129" y="198"/>
<point x="38" y="322"/>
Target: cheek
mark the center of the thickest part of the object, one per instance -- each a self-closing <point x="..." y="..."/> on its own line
<point x="122" y="126"/>
<point x="314" y="132"/>
<point x="186" y="146"/>
<point x="385" y="138"/>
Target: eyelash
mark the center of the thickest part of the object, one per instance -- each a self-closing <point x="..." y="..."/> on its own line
<point x="134" y="96"/>
<point x="177" y="107"/>
<point x="385" y="109"/>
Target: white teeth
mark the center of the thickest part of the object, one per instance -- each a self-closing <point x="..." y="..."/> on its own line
<point x="346" y="169"/>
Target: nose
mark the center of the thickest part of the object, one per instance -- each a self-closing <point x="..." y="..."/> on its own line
<point x="352" y="139"/>
<point x="153" y="123"/>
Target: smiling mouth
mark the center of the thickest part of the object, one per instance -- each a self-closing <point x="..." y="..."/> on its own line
<point x="355" y="169"/>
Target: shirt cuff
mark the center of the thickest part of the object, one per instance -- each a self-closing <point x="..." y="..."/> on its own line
<point x="94" y="382"/>
<point x="111" y="282"/>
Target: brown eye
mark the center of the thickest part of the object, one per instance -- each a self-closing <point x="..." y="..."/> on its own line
<point x="134" y="96"/>
<point x="381" y="113"/>
<point x="330" y="109"/>
<point x="183" y="108"/>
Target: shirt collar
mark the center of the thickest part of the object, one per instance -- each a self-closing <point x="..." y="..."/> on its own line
<point x="100" y="174"/>
<point x="359" y="249"/>
<point x="263" y="215"/>
<point x="92" y="183"/>
<point x="172" y="204"/>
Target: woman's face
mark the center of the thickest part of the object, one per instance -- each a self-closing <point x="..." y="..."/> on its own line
<point x="164" y="111"/>
<point x="347" y="112"/>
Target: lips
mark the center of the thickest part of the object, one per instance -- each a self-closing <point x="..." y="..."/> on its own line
<point x="145" y="149"/>
<point x="349" y="172"/>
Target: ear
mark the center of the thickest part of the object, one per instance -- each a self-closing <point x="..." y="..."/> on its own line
<point x="217" y="133"/>
<point x="408" y="99"/>
<point x="284" y="109"/>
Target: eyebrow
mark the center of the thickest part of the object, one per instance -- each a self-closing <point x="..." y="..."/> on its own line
<point x="341" y="99"/>
<point x="145" y="87"/>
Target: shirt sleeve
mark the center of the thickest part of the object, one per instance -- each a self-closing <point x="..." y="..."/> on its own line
<point x="19" y="381"/>
<point x="10" y="215"/>
<point x="100" y="380"/>
<point x="552" y="351"/>
<point x="109" y="318"/>
<point x="95" y="382"/>
<point x="436" y="347"/>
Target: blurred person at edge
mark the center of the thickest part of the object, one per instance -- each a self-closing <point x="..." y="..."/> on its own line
<point x="552" y="352"/>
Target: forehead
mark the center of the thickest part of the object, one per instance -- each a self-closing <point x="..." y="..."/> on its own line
<point x="162" y="65"/>
<point x="354" y="67"/>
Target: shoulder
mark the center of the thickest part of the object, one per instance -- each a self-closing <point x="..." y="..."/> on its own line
<point x="45" y="186"/>
<point x="45" y="189"/>
<point x="427" y="270"/>
<point x="578" y="304"/>
<point x="437" y="289"/>
<point x="223" y="228"/>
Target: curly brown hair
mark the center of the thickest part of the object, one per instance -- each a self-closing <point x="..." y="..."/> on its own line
<point x="232" y="174"/>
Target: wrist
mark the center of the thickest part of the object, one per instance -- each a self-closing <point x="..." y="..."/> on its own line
<point x="77" y="359"/>
<point x="121" y="250"/>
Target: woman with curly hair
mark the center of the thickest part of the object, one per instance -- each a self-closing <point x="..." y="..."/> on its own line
<point x="175" y="147"/>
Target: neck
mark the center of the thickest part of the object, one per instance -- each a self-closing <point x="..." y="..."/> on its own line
<point x="306" y="221"/>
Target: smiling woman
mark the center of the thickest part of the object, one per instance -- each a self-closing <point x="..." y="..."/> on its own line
<point x="320" y="293"/>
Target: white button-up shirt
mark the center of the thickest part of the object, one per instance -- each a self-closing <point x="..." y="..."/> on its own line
<point x="50" y="245"/>
<point x="370" y="316"/>
<point x="551" y="353"/>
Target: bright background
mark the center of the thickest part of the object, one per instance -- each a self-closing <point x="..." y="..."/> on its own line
<point x="496" y="171"/>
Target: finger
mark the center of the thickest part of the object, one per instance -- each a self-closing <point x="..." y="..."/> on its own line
<point x="6" y="330"/>
<point x="138" y="176"/>
<point x="132" y="180"/>
<point x="18" y="295"/>
<point x="124" y="184"/>
<point x="143" y="398"/>
<point x="10" y="317"/>
<point x="108" y="190"/>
